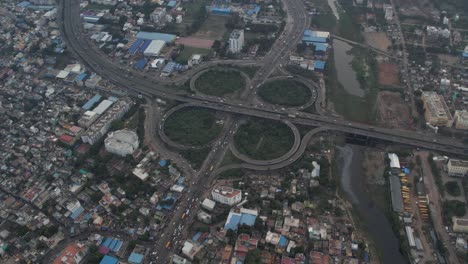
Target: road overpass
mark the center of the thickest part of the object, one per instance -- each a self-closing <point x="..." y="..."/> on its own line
<point x="101" y="65"/>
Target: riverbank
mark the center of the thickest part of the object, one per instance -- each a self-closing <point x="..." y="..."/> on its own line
<point x="372" y="218"/>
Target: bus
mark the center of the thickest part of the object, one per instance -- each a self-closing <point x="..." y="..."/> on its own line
<point x="168" y="244"/>
<point x="183" y="216"/>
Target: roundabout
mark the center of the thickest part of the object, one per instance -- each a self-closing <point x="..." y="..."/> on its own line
<point x="219" y="81"/>
<point x="295" y="94"/>
<point x="188" y="127"/>
<point x="260" y="142"/>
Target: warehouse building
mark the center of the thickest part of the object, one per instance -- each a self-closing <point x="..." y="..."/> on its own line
<point x="436" y="110"/>
<point x="154" y="48"/>
<point x="102" y="107"/>
<point x="121" y="142"/>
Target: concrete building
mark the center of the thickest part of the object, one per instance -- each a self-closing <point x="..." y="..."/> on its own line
<point x="457" y="168"/>
<point x="226" y="195"/>
<point x="460" y="225"/>
<point x="236" y="40"/>
<point x="121" y="142"/>
<point x="190" y="249"/>
<point x="102" y="107"/>
<point x="436" y="110"/>
<point x="87" y="119"/>
<point x="102" y="125"/>
<point x="208" y="204"/>
<point x="158" y="16"/>
<point x="461" y="120"/>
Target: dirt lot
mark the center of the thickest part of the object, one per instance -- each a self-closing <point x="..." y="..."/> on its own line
<point x="377" y="40"/>
<point x="388" y="74"/>
<point x="393" y="112"/>
<point x="213" y="28"/>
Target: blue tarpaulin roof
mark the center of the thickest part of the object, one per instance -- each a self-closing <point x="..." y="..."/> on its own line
<point x="135" y="46"/>
<point x="319" y="65"/>
<point x="140" y="64"/>
<point x="23" y="4"/>
<point x="220" y="10"/>
<point x="162" y="163"/>
<point x="321" y="46"/>
<point x="109" y="260"/>
<point x="197" y="236"/>
<point x="465" y="54"/>
<point x="107" y="242"/>
<point x="155" y="36"/>
<point x="77" y="212"/>
<point x="172" y="3"/>
<point x="283" y="241"/>
<point x="91" y="102"/>
<point x="135" y="258"/>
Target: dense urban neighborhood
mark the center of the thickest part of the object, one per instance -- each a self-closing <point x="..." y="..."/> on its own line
<point x="234" y="131"/>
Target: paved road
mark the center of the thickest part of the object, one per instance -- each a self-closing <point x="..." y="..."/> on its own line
<point x="279" y="54"/>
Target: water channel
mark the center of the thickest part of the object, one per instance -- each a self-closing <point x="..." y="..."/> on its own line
<point x="346" y="74"/>
<point x="374" y="219"/>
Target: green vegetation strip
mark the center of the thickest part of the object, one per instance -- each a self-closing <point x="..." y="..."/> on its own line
<point x="263" y="139"/>
<point x="220" y="82"/>
<point x="192" y="126"/>
<point x="285" y="92"/>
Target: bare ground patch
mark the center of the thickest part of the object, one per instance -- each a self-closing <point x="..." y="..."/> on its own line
<point x="393" y="112"/>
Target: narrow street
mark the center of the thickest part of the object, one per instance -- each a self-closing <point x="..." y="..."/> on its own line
<point x="435" y="207"/>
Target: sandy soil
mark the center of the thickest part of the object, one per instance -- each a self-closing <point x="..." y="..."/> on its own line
<point x="388" y="74"/>
<point x="377" y="40"/>
<point x="393" y="112"/>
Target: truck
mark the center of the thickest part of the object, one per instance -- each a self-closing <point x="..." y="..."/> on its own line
<point x="168" y="244"/>
<point x="291" y="115"/>
<point x="187" y="212"/>
<point x="183" y="216"/>
<point x="211" y="168"/>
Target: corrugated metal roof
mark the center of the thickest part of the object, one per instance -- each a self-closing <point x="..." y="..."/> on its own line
<point x="156" y="36"/>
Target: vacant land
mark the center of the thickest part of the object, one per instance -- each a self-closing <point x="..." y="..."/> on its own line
<point x="388" y="74"/>
<point x="220" y="82"/>
<point x="263" y="139"/>
<point x="213" y="28"/>
<point x="187" y="52"/>
<point x="285" y="92"/>
<point x="192" y="126"/>
<point x="393" y="112"/>
<point x="377" y="40"/>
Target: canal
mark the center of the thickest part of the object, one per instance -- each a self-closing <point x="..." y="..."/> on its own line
<point x="375" y="221"/>
<point x="344" y="70"/>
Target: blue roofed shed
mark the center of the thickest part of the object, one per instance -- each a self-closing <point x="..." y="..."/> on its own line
<point x="23" y="4"/>
<point x="283" y="241"/>
<point x="135" y="258"/>
<point x="172" y="3"/>
<point x="162" y="163"/>
<point x="232" y="221"/>
<point x="91" y="102"/>
<point x="75" y="214"/>
<point x="247" y="219"/>
<point x="109" y="260"/>
<point x="321" y="46"/>
<point x="319" y="65"/>
<point x="155" y="36"/>
<point x="140" y="64"/>
<point x="465" y="54"/>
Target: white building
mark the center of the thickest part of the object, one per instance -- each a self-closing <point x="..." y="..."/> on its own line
<point x="226" y="195"/>
<point x="121" y="142"/>
<point x="87" y="119"/>
<point x="236" y="40"/>
<point x="208" y="204"/>
<point x="194" y="60"/>
<point x="158" y="16"/>
<point x="102" y="107"/>
<point x="154" y="48"/>
<point x="457" y="168"/>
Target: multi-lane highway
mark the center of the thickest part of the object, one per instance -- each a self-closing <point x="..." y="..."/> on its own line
<point x="101" y="65"/>
<point x="297" y="21"/>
